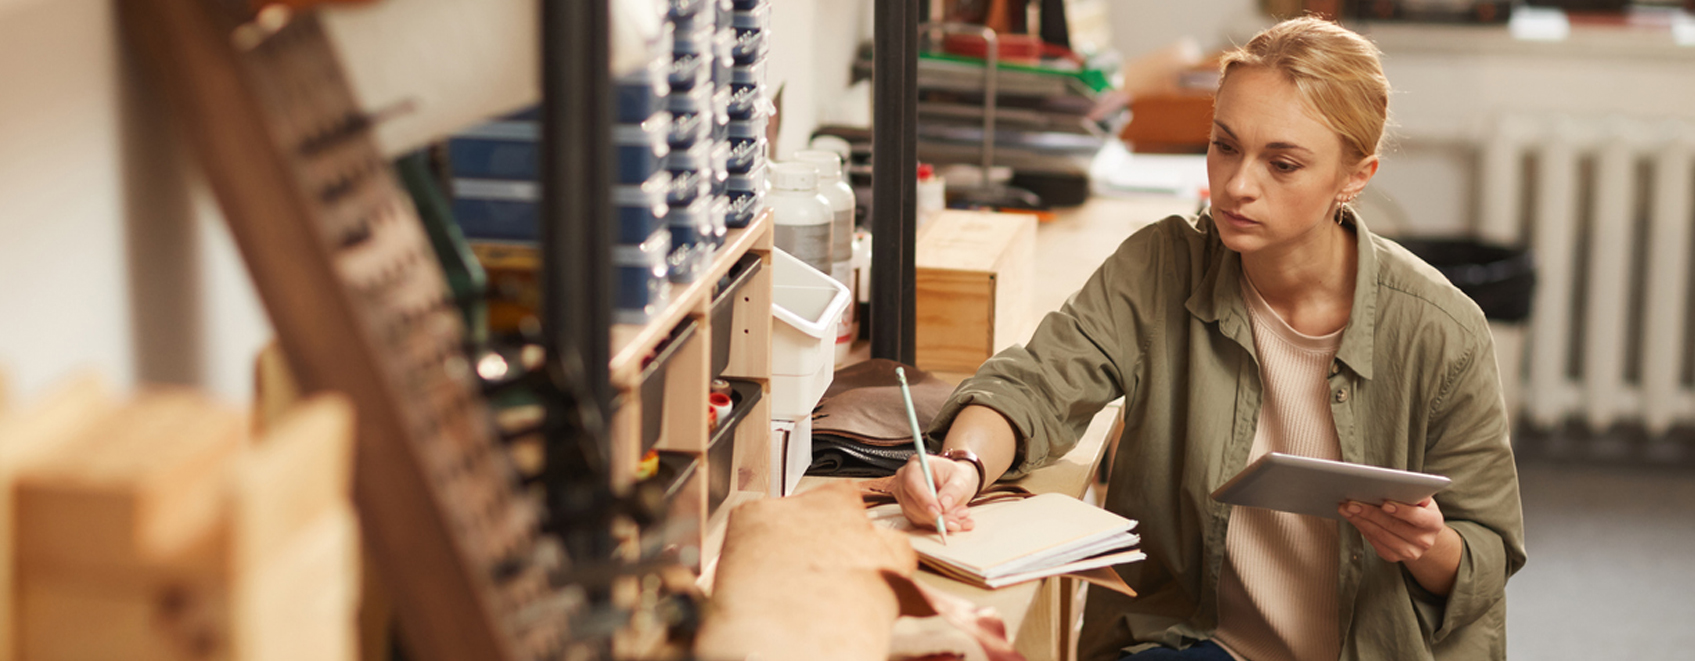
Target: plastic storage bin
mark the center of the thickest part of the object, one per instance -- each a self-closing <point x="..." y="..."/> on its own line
<point x="807" y="305"/>
<point x="653" y="383"/>
<point x="746" y="196"/>
<point x="721" y="448"/>
<point x="724" y="308"/>
<point x="1500" y="279"/>
<point x="496" y="150"/>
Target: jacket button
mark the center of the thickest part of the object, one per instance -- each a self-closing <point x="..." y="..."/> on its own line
<point x="1335" y="367"/>
<point x="1341" y="395"/>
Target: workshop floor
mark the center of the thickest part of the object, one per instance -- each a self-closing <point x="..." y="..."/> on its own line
<point x="1612" y="558"/>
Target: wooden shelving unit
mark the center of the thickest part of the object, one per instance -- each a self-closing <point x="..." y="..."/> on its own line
<point x="705" y="463"/>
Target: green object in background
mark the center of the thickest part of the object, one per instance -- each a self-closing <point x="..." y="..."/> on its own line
<point x="465" y="276"/>
<point x="1092" y="79"/>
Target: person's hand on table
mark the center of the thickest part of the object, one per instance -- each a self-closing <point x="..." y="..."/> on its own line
<point x="956" y="481"/>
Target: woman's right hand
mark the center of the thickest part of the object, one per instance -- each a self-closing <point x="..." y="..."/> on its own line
<point x="956" y="483"/>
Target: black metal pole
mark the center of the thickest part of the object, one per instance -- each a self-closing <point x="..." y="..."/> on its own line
<point x="576" y="185"/>
<point x="894" y="175"/>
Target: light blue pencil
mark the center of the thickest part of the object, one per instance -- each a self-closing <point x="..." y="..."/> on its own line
<point x="923" y="457"/>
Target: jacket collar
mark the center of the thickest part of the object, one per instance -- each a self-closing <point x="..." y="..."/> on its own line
<point x="1218" y="296"/>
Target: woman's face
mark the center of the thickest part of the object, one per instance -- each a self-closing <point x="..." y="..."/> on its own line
<point x="1275" y="169"/>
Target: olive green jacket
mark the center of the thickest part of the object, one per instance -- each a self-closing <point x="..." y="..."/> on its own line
<point x="1163" y="324"/>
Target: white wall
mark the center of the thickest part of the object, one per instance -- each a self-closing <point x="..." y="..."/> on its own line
<point x="812" y="51"/>
<point x="1139" y="26"/>
<point x="109" y="262"/>
<point x="113" y="256"/>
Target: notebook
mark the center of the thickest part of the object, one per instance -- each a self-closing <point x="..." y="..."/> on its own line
<point x="1023" y="540"/>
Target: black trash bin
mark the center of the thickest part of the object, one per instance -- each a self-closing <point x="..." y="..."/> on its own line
<point x="1500" y="279"/>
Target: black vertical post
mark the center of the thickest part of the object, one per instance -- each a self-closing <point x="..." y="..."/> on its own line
<point x="576" y="185"/>
<point x="894" y="179"/>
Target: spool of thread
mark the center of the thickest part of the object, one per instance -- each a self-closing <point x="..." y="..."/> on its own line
<point x="720" y="386"/>
<point x="721" y="405"/>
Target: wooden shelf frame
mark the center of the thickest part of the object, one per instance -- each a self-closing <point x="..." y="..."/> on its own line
<point x="633" y="342"/>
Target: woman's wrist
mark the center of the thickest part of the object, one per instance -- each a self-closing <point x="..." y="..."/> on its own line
<point x="968" y="457"/>
<point x="1437" y="570"/>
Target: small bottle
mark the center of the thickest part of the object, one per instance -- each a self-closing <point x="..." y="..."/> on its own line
<point x="802" y="218"/>
<point x="840" y="196"/>
<point x="932" y="194"/>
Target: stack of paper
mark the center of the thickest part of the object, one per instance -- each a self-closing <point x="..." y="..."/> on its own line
<point x="1023" y="540"/>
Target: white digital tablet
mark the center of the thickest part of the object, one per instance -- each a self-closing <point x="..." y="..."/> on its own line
<point x="1305" y="485"/>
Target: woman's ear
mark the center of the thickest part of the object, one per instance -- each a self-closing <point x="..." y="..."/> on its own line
<point x="1359" y="177"/>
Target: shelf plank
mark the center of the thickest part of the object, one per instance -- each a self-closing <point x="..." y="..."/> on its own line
<point x="632" y="342"/>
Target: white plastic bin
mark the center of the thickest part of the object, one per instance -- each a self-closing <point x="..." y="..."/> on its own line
<point x="806" y="305"/>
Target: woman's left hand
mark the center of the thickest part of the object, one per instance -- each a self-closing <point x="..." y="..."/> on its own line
<point x="1399" y="532"/>
<point x="1414" y="535"/>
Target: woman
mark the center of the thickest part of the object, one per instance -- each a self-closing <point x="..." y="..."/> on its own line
<point x="1275" y="322"/>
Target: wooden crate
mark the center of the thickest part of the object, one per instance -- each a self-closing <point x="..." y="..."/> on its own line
<point x="974" y="273"/>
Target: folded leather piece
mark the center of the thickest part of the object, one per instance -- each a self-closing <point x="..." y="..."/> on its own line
<point x="982" y="625"/>
<point x="810" y="577"/>
<point x="804" y="578"/>
<point x="860" y="427"/>
<point x="834" y="456"/>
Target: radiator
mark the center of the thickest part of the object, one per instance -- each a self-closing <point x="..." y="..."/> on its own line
<point x="1606" y="206"/>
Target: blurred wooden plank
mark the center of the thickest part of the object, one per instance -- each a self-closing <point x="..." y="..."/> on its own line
<point x="300" y="473"/>
<point x="123" y="525"/>
<point x="25" y="435"/>
<point x="175" y="611"/>
<point x="295" y="538"/>
<point x="142" y="485"/>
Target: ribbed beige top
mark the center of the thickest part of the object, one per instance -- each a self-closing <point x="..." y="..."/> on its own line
<point x="1277" y="594"/>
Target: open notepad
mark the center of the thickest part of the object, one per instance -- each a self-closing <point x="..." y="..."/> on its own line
<point x="1023" y="540"/>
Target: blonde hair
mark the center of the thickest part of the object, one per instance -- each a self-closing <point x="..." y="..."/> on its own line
<point x="1337" y="72"/>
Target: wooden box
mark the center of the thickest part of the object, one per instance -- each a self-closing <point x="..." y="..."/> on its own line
<point x="974" y="274"/>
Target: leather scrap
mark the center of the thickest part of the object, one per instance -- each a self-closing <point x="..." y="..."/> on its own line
<point x="810" y="577"/>
<point x="803" y="577"/>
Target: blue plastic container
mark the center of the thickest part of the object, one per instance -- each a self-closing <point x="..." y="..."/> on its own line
<point x="691" y="57"/>
<point x="642" y="93"/>
<point x="723" y="55"/>
<point x="641" y="210"/>
<point x="496" y="209"/>
<point x="745" y="197"/>
<point x="747" y="90"/>
<point x="693" y="238"/>
<point x="753" y="29"/>
<point x="691" y="173"/>
<point x="639" y="150"/>
<point x="687" y="8"/>
<point x="496" y="150"/>
<point x="692" y="117"/>
<point x="747" y="144"/>
<point x="639" y="290"/>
